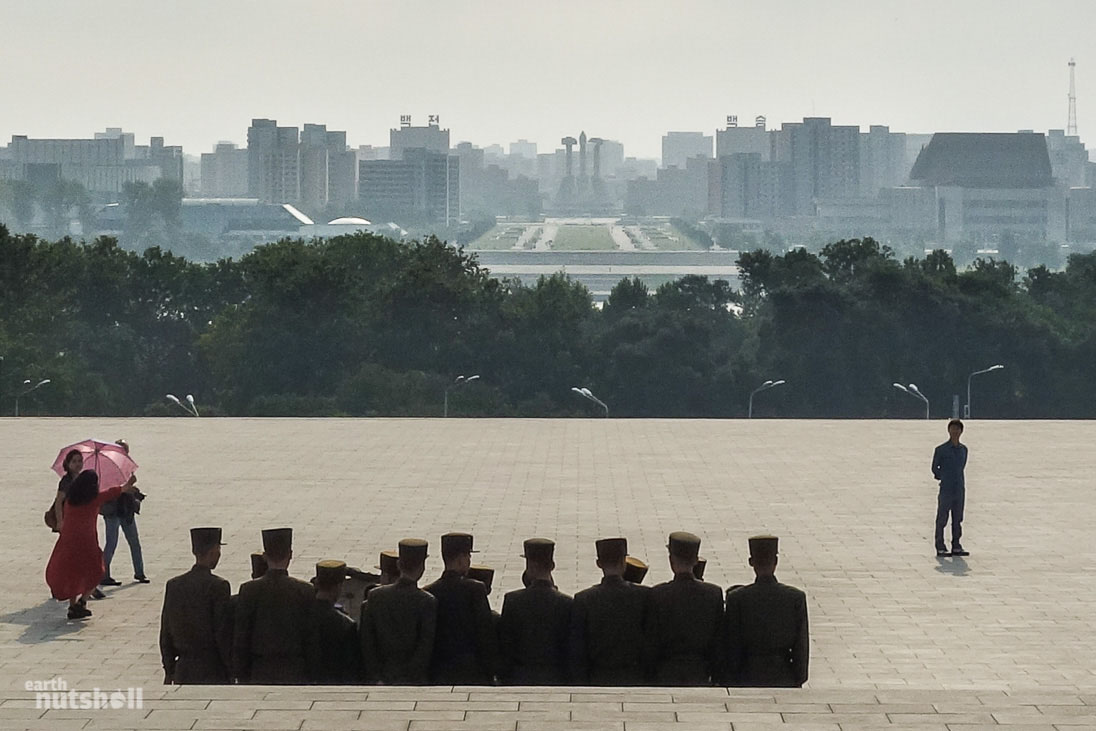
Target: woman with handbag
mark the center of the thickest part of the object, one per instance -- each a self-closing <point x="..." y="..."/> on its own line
<point x="76" y="564"/>
<point x="122" y="513"/>
<point x="73" y="464"/>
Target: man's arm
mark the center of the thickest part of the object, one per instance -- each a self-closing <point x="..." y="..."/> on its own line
<point x="936" y="463"/>
<point x="801" y="650"/>
<point x="371" y="661"/>
<point x="168" y="653"/>
<point x="424" y="647"/>
<point x="487" y="639"/>
<point x="580" y="671"/>
<point x="241" y="639"/>
<point x="222" y="633"/>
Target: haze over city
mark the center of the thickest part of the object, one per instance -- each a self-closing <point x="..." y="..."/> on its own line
<point x="198" y="72"/>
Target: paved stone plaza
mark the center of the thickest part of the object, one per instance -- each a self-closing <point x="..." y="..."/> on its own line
<point x="899" y="639"/>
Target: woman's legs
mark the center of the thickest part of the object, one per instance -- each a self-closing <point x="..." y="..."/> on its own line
<point x="129" y="528"/>
<point x="110" y="544"/>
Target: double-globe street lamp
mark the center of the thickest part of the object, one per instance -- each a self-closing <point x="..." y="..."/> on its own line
<point x="192" y="410"/>
<point x="912" y="390"/>
<point x="763" y="387"/>
<point x="586" y="394"/>
<point x="461" y="380"/>
<point x="966" y="410"/>
<point x="27" y="388"/>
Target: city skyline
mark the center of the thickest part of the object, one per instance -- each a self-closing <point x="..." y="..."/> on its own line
<point x="516" y="72"/>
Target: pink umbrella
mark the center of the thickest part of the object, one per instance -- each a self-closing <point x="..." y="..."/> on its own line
<point x="108" y="459"/>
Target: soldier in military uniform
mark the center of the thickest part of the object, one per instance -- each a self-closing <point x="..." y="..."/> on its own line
<point x="634" y="570"/>
<point x="486" y="576"/>
<point x="465" y="645"/>
<point x="766" y="635"/>
<point x="684" y="620"/>
<point x="193" y="646"/>
<point x="399" y="622"/>
<point x="535" y="626"/>
<point x="332" y="650"/>
<point x="607" y="623"/>
<point x="269" y="638"/>
<point x="388" y="565"/>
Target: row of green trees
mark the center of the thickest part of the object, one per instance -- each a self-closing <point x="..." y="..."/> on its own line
<point x="362" y="325"/>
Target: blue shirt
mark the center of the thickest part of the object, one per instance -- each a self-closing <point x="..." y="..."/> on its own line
<point x="948" y="462"/>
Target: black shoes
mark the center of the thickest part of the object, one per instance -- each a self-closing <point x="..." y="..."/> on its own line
<point x="141" y="579"/>
<point x="942" y="553"/>
<point x="78" y="612"/>
<point x="958" y="551"/>
<point x="107" y="581"/>
<point x="96" y="594"/>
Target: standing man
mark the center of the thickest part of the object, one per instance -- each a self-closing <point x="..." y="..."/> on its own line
<point x="331" y="638"/>
<point x="193" y="646"/>
<point x="399" y="622"/>
<point x="535" y="627"/>
<point x="948" y="462"/>
<point x="122" y="514"/>
<point x="765" y="629"/>
<point x="269" y="637"/>
<point x="465" y="645"/>
<point x="607" y="622"/>
<point x="684" y="620"/>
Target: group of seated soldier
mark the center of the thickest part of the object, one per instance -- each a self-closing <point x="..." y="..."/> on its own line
<point x="347" y="626"/>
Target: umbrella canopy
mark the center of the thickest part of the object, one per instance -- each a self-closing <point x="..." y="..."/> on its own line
<point x="109" y="461"/>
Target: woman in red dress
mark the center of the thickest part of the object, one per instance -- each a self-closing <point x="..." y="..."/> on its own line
<point x="76" y="565"/>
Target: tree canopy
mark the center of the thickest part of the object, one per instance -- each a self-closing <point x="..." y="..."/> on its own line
<point x="362" y="325"/>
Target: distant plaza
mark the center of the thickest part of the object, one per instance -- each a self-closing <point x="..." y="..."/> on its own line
<point x="1004" y="636"/>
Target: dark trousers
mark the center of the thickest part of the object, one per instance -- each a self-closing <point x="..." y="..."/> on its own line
<point x="950" y="503"/>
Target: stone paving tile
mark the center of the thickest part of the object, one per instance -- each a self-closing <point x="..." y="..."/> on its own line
<point x="1005" y="636"/>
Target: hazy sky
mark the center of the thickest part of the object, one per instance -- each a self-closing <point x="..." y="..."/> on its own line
<point x="197" y="71"/>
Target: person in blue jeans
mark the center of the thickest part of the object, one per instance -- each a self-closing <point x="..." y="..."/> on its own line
<point x="948" y="463"/>
<point x="122" y="513"/>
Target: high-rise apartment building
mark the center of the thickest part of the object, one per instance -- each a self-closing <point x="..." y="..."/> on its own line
<point x="882" y="160"/>
<point x="224" y="172"/>
<point x="823" y="162"/>
<point x="431" y="137"/>
<point x="524" y="148"/>
<point x="678" y="147"/>
<point x="745" y="140"/>
<point x="102" y="165"/>
<point x="423" y="186"/>
<point x="273" y="162"/>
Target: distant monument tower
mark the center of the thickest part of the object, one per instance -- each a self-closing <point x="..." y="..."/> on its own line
<point x="1071" y="125"/>
<point x="567" y="185"/>
<point x="582" y="155"/>
<point x="569" y="143"/>
<point x="597" y="185"/>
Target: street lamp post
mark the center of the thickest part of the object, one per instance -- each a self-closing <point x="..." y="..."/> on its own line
<point x="763" y="387"/>
<point x="190" y="400"/>
<point x="586" y="394"/>
<point x="912" y="390"/>
<point x="25" y="391"/>
<point x="966" y="411"/>
<point x="192" y="411"/>
<point x="461" y="380"/>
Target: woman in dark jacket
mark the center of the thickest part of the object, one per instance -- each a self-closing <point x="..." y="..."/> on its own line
<point x="122" y="513"/>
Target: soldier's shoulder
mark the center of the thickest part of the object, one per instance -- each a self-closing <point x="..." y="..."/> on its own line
<point x="792" y="591"/>
<point x="514" y="597"/>
<point x="220" y="583"/>
<point x="710" y="589"/>
<point x="590" y="592"/>
<point x="249" y="588"/>
<point x="175" y="581"/>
